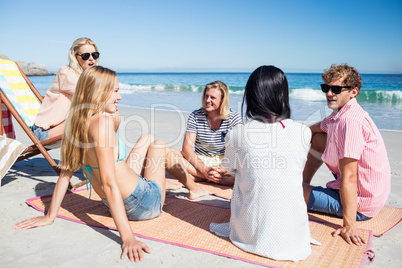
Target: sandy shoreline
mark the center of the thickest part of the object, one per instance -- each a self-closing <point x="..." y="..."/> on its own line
<point x="66" y="244"/>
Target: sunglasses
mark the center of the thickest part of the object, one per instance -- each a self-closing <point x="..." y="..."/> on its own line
<point x="85" y="56"/>
<point x="335" y="89"/>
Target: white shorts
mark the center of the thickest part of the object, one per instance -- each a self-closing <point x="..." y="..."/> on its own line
<point x="210" y="161"/>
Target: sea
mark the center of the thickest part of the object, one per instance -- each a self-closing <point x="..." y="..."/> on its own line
<point x="380" y="96"/>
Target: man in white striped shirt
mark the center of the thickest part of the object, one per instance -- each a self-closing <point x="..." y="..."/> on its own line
<point x="204" y="142"/>
<point x="353" y="150"/>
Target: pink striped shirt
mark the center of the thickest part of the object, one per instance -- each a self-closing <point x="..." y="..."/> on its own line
<point x="353" y="134"/>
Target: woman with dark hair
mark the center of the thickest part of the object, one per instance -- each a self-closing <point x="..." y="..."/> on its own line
<point x="268" y="98"/>
<point x="267" y="156"/>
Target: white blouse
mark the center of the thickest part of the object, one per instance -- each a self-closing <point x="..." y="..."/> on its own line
<point x="268" y="212"/>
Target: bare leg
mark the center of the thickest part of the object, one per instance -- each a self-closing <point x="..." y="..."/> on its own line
<point x="197" y="176"/>
<point x="314" y="161"/>
<point x="155" y="165"/>
<point x="178" y="167"/>
<point x="136" y="158"/>
<point x="161" y="158"/>
<point x="227" y="180"/>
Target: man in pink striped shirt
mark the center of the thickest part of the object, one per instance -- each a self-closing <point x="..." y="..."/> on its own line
<point x="353" y="150"/>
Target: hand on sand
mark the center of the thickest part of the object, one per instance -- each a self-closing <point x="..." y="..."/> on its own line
<point x="134" y="249"/>
<point x="350" y="235"/>
<point x="34" y="222"/>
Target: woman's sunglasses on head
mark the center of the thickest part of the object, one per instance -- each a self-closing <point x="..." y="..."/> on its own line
<point x="335" y="89"/>
<point x="85" y="56"/>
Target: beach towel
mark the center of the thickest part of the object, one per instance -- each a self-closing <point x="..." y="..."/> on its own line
<point x="385" y="221"/>
<point x="186" y="224"/>
<point x="18" y="92"/>
<point x="10" y="149"/>
<point x="7" y="123"/>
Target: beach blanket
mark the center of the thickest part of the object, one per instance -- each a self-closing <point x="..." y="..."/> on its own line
<point x="10" y="149"/>
<point x="385" y="221"/>
<point x="185" y="223"/>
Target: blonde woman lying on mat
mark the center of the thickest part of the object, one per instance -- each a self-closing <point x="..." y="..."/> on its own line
<point x="90" y="140"/>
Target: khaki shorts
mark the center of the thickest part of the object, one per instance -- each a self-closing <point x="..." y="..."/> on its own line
<point x="210" y="161"/>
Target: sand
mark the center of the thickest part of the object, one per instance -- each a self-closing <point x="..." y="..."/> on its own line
<point x="66" y="244"/>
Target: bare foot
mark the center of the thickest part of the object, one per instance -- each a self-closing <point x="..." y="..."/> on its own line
<point x="195" y="194"/>
<point x="172" y="185"/>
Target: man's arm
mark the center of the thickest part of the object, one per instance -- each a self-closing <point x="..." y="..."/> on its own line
<point x="190" y="155"/>
<point x="316" y="128"/>
<point x="348" y="192"/>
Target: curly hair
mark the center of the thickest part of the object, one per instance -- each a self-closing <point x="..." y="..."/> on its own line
<point x="350" y="75"/>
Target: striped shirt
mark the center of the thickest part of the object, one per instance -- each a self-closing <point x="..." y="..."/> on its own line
<point x="353" y="134"/>
<point x="210" y="142"/>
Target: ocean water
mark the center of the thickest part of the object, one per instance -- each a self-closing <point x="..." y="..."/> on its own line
<point x="380" y="96"/>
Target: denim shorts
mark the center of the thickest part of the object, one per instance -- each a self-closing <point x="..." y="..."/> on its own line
<point x="40" y="133"/>
<point x="328" y="201"/>
<point x="145" y="202"/>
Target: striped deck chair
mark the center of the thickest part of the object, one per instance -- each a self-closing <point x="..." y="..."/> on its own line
<point x="23" y="100"/>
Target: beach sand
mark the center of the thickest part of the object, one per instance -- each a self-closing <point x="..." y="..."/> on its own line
<point x="67" y="244"/>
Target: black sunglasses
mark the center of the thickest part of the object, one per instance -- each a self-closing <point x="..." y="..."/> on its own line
<point x="85" y="56"/>
<point x="335" y="89"/>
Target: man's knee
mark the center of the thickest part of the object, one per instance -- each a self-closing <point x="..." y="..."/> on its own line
<point x="158" y="144"/>
<point x="148" y="137"/>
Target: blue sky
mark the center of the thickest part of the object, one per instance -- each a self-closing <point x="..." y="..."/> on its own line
<point x="219" y="35"/>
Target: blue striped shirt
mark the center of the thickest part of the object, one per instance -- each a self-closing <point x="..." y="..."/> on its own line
<point x="210" y="142"/>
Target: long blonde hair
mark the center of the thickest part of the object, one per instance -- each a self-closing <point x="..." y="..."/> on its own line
<point x="75" y="48"/>
<point x="224" y="110"/>
<point x="94" y="87"/>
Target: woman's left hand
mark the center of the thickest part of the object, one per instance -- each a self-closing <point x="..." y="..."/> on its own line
<point x="134" y="248"/>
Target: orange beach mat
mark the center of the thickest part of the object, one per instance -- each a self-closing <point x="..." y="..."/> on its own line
<point x="385" y="221"/>
<point x="186" y="224"/>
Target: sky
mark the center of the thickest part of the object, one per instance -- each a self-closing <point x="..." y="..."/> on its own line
<point x="208" y="36"/>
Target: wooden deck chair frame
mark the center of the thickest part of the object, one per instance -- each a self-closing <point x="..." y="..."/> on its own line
<point x="38" y="147"/>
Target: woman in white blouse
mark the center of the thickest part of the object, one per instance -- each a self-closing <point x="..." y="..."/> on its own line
<point x="267" y="156"/>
